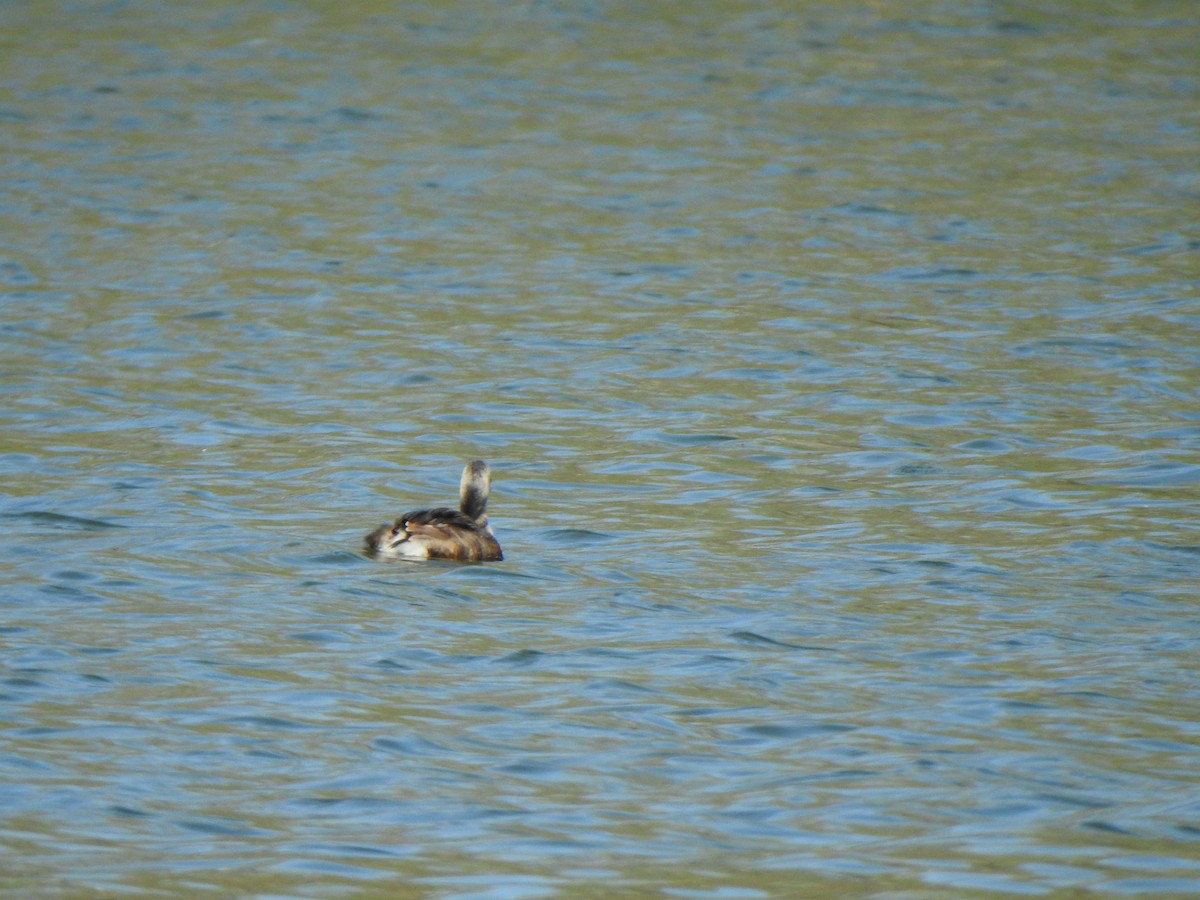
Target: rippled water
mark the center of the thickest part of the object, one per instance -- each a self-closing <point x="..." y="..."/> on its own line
<point x="838" y="371"/>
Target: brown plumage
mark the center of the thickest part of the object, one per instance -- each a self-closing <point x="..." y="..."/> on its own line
<point x="444" y="533"/>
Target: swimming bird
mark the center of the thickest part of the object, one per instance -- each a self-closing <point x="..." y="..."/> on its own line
<point x="444" y="533"/>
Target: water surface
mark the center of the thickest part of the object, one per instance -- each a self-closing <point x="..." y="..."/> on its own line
<point x="838" y="371"/>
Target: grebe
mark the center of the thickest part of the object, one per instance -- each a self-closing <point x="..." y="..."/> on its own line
<point x="444" y="533"/>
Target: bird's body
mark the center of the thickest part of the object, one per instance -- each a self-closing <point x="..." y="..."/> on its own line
<point x="443" y="533"/>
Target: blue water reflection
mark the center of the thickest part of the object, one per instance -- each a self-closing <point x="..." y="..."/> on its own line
<point x="837" y="368"/>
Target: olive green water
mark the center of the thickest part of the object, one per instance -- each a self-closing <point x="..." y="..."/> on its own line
<point x="838" y="368"/>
